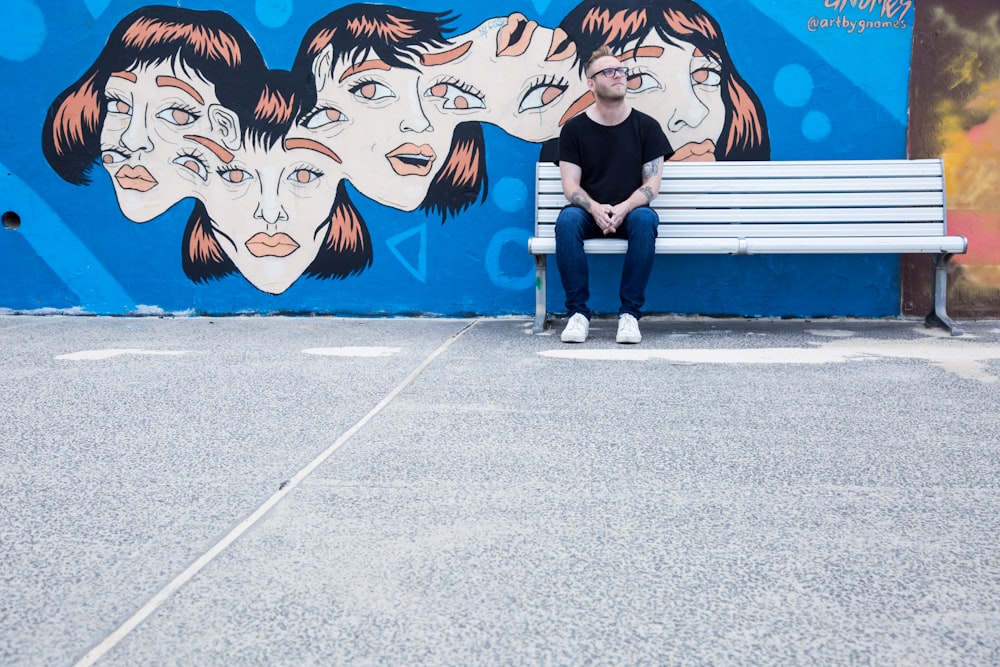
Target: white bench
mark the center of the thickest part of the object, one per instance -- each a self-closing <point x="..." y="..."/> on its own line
<point x="751" y="208"/>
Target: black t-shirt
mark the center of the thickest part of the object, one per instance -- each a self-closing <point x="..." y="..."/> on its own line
<point x="611" y="157"/>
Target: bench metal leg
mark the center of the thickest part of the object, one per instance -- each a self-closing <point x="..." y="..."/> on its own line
<point x="540" y="313"/>
<point x="939" y="316"/>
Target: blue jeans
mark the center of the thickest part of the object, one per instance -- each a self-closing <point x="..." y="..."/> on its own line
<point x="574" y="225"/>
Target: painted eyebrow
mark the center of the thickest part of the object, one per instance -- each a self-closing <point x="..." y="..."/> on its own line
<point x="128" y="76"/>
<point x="643" y="52"/>
<point x="311" y="145"/>
<point x="363" y="67"/>
<point x="171" y="82"/>
<point x="444" y="57"/>
<point x="216" y="149"/>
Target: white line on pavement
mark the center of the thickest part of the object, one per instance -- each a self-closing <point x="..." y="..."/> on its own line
<point x="98" y="355"/>
<point x="353" y="351"/>
<point x="964" y="358"/>
<point x="154" y="603"/>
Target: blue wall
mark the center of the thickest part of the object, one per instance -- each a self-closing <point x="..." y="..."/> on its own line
<point x="829" y="91"/>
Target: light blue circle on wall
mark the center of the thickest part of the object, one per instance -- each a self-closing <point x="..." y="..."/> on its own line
<point x="274" y="13"/>
<point x="793" y="84"/>
<point x="508" y="248"/>
<point x="23" y="31"/>
<point x="510" y="194"/>
<point x="816" y="126"/>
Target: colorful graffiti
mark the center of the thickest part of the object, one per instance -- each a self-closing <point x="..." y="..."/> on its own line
<point x="379" y="158"/>
<point x="956" y="114"/>
<point x="180" y="104"/>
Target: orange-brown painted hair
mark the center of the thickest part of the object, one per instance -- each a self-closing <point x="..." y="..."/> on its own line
<point x="618" y="24"/>
<point x="210" y="44"/>
<point x="397" y="36"/>
<point x="346" y="248"/>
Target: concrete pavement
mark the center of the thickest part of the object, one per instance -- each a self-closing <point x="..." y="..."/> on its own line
<point x="319" y="491"/>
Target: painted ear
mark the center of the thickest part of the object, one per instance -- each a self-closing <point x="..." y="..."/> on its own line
<point x="323" y="66"/>
<point x="225" y="126"/>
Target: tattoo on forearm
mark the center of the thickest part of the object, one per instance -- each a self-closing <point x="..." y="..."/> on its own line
<point x="648" y="193"/>
<point x="581" y="199"/>
<point x="651" y="167"/>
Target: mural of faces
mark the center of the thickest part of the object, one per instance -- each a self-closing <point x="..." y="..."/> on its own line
<point x="396" y="164"/>
<point x="378" y="97"/>
<point x="269" y="210"/>
<point x="506" y="72"/>
<point x="682" y="88"/>
<point x="149" y="111"/>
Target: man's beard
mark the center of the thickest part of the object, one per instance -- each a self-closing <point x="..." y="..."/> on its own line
<point x="609" y="96"/>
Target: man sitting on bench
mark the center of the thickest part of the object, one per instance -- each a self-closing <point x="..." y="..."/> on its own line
<point x="610" y="153"/>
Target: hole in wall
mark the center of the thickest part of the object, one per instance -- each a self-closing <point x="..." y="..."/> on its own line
<point x="11" y="220"/>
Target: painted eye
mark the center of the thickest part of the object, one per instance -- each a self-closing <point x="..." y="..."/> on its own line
<point x="235" y="175"/>
<point x="193" y="164"/>
<point x="324" y="117"/>
<point x="115" y="105"/>
<point x="371" y="91"/>
<point x="178" y="116"/>
<point x="456" y="96"/>
<point x="541" y="96"/>
<point x="641" y="82"/>
<point x="303" y="176"/>
<point x="113" y="157"/>
<point x="706" y="76"/>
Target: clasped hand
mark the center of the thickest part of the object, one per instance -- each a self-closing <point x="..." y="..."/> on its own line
<point x="609" y="218"/>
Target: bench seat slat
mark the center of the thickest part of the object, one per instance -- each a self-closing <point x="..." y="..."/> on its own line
<point x="750" y="246"/>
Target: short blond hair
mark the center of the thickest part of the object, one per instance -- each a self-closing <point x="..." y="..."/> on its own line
<point x="597" y="54"/>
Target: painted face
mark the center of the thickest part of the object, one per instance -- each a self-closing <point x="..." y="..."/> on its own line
<point x="372" y="115"/>
<point x="150" y="109"/>
<point x="682" y="88"/>
<point x="270" y="210"/>
<point x="504" y="73"/>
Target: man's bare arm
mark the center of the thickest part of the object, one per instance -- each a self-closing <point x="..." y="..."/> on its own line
<point x="570" y="174"/>
<point x="652" y="168"/>
<point x="646" y="192"/>
<point x="581" y="199"/>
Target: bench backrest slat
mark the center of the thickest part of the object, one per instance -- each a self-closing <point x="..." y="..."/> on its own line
<point x="763" y="185"/>
<point x="778" y="200"/>
<point x="808" y="198"/>
<point x="789" y="169"/>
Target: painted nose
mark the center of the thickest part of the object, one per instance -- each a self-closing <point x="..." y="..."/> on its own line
<point x="417" y="123"/>
<point x="689" y="111"/>
<point x="270" y="211"/>
<point x="136" y="136"/>
<point x="415" y="119"/>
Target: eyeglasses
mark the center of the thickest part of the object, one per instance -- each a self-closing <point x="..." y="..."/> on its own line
<point x="611" y="72"/>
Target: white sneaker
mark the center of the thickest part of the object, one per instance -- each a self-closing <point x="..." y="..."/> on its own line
<point x="576" y="329"/>
<point x="628" y="329"/>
